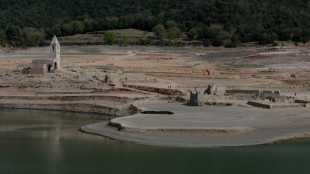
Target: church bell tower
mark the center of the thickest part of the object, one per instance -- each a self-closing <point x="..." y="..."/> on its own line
<point x="55" y="53"/>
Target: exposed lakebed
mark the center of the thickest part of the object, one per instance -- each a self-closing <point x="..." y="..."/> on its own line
<point x="49" y="142"/>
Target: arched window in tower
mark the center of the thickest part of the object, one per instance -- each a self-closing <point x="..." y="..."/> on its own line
<point x="53" y="48"/>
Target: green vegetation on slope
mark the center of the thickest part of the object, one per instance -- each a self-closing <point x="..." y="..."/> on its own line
<point x="216" y="22"/>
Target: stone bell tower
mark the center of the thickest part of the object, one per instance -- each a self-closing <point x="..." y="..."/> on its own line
<point x="55" y="53"/>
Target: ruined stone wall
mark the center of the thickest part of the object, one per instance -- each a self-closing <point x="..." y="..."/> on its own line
<point x="157" y="90"/>
<point x="196" y="99"/>
<point x="261" y="105"/>
<point x="40" y="66"/>
<point x="302" y="101"/>
<point x="273" y="96"/>
<point x="220" y="90"/>
<point x="237" y="91"/>
<point x="216" y="90"/>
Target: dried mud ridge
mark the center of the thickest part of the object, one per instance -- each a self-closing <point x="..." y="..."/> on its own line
<point x="128" y="128"/>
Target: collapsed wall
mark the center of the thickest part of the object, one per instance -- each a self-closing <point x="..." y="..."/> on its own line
<point x="272" y="96"/>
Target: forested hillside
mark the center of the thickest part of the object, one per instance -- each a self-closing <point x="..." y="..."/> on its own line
<point x="216" y="22"/>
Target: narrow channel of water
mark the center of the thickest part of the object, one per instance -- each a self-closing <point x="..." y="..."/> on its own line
<point x="47" y="142"/>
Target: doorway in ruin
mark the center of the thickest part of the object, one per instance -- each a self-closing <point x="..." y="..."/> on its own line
<point x="55" y="66"/>
<point x="49" y="67"/>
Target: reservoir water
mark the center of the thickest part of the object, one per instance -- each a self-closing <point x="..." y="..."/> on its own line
<point x="44" y="142"/>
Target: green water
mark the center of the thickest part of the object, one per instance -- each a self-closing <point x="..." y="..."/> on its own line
<point x="35" y="142"/>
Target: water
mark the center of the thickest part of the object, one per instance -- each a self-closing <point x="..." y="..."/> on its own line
<point x="49" y="142"/>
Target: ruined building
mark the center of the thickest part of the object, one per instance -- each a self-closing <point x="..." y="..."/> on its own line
<point x="42" y="66"/>
<point x="196" y="98"/>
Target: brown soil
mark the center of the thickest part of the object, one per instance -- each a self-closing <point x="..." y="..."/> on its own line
<point x="84" y="69"/>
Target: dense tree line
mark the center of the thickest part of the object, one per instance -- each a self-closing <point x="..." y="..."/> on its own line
<point x="216" y="22"/>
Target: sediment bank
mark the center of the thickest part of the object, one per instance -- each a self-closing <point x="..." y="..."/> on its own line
<point x="207" y="126"/>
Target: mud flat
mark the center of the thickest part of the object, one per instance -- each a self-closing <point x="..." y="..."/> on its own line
<point x="206" y="126"/>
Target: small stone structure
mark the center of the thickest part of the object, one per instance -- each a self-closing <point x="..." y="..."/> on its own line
<point x="196" y="98"/>
<point x="211" y="89"/>
<point x="107" y="79"/>
<point x="42" y="66"/>
<point x="215" y="90"/>
<point x="272" y="105"/>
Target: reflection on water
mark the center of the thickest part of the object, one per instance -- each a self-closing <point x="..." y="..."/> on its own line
<point x="49" y="142"/>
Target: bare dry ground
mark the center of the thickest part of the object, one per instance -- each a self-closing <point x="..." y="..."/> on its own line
<point x="181" y="67"/>
<point x="140" y="72"/>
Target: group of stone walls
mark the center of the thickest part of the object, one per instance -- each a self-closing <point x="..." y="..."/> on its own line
<point x="198" y="98"/>
<point x="272" y="96"/>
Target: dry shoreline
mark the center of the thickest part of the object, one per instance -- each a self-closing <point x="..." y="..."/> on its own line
<point x="211" y="127"/>
<point x="294" y="138"/>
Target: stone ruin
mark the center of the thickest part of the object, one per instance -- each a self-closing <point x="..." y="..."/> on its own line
<point x="199" y="98"/>
<point x="215" y="90"/>
<point x="107" y="79"/>
<point x="270" y="96"/>
<point x="259" y="98"/>
<point x="51" y="65"/>
<point x="196" y="98"/>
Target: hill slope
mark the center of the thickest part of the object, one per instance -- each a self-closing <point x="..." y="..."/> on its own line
<point x="218" y="21"/>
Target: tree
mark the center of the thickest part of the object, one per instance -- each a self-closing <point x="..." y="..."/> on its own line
<point x="111" y="22"/>
<point x="109" y="37"/>
<point x="14" y="36"/>
<point x="232" y="42"/>
<point x="88" y="23"/>
<point x="13" y="33"/>
<point x="50" y="32"/>
<point x="174" y="32"/>
<point x="194" y="32"/>
<point x="217" y="41"/>
<point x="265" y="38"/>
<point x="171" y="24"/>
<point x="304" y="40"/>
<point x="34" y="38"/>
<point x="206" y="43"/>
<point x="284" y="35"/>
<point x="78" y="27"/>
<point x="159" y="30"/>
<point x="67" y="29"/>
<point x="2" y="36"/>
<point x="124" y="41"/>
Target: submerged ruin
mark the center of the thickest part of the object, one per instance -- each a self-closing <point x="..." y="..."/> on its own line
<point x="51" y="65"/>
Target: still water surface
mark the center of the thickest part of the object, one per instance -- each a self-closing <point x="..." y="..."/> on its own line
<point x="49" y="142"/>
